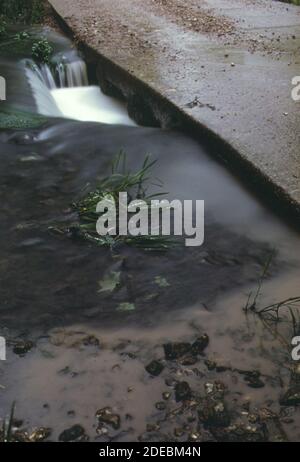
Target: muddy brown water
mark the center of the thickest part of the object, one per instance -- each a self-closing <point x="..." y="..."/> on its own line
<point x="88" y="354"/>
<point x="50" y="284"/>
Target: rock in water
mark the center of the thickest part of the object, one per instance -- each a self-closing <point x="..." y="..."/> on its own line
<point x="154" y="368"/>
<point x="176" y="350"/>
<point x="75" y="433"/>
<point x="200" y="344"/>
<point x="106" y="416"/>
<point x="182" y="391"/>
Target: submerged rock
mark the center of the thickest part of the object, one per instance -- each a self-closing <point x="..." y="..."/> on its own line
<point x="200" y="344"/>
<point x="40" y="434"/>
<point x="22" y="347"/>
<point x="166" y="395"/>
<point x="213" y="413"/>
<point x="188" y="360"/>
<point x="186" y="351"/>
<point x="160" y="405"/>
<point x="211" y="365"/>
<point x="154" y="368"/>
<point x="176" y="350"/>
<point x="107" y="416"/>
<point x="182" y="391"/>
<point x="212" y="409"/>
<point x="74" y="433"/>
<point x="252" y="378"/>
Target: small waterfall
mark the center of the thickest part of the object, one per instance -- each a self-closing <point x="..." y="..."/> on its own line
<point x="61" y="89"/>
<point x="44" y="74"/>
<point x="45" y="102"/>
<point x="76" y="74"/>
<point x="62" y="74"/>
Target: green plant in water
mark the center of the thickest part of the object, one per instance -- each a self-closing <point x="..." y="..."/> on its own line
<point x="284" y="311"/>
<point x="42" y="51"/>
<point x="22" y="36"/>
<point x="15" y="119"/>
<point x="109" y="188"/>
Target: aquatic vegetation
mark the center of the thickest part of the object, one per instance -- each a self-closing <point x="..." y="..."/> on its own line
<point x="23" y="11"/>
<point x="109" y="188"/>
<point x="15" y="119"/>
<point x="42" y="51"/>
<point x="22" y="36"/>
<point x="110" y="282"/>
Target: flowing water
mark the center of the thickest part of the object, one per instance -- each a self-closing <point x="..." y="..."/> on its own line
<point x="63" y="91"/>
<point x="88" y="352"/>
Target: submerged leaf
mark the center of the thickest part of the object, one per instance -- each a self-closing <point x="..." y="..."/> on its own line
<point x="110" y="282"/>
<point x="161" y="282"/>
<point x="126" y="306"/>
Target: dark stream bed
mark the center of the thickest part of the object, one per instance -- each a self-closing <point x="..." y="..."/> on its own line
<point x="165" y="354"/>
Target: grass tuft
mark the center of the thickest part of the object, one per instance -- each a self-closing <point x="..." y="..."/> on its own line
<point x="120" y="180"/>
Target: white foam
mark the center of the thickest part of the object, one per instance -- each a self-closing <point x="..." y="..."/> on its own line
<point x="89" y="104"/>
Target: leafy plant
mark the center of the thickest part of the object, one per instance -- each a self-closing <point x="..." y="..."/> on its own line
<point x="22" y="36"/>
<point x="15" y="119"/>
<point x="42" y="51"/>
<point x="120" y="180"/>
<point x="23" y="11"/>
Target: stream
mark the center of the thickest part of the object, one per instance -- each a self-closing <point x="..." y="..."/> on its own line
<point x="79" y="343"/>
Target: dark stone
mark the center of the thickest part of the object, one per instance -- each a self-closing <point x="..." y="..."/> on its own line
<point x="213" y="413"/>
<point x="253" y="380"/>
<point x="211" y="365"/>
<point x="22" y="347"/>
<point x="74" y="433"/>
<point x="188" y="360"/>
<point x="154" y="368"/>
<point x="160" y="405"/>
<point x="212" y="410"/>
<point x="200" y="344"/>
<point x="107" y="416"/>
<point x="220" y="368"/>
<point x="40" y="434"/>
<point x="176" y="350"/>
<point x="91" y="340"/>
<point x="182" y="391"/>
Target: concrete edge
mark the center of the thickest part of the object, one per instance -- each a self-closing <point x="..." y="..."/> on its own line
<point x="115" y="80"/>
